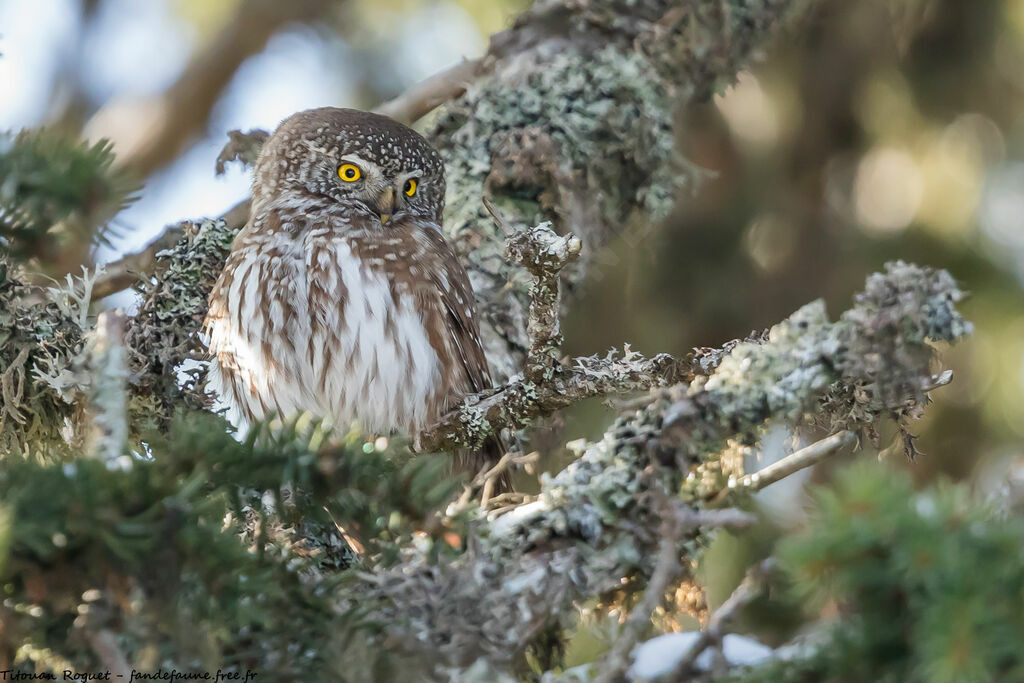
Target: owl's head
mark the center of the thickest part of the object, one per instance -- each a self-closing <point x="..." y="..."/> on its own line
<point x="370" y="163"/>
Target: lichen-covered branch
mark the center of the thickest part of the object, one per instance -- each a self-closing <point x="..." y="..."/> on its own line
<point x="544" y="254"/>
<point x="518" y="402"/>
<point x="573" y="124"/>
<point x="597" y="521"/>
<point x="546" y="384"/>
<point x="472" y="614"/>
<point x="164" y="331"/>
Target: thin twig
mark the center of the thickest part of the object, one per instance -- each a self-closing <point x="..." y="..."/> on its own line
<point x="130" y="268"/>
<point x="544" y="253"/>
<point x="801" y="459"/>
<point x="489" y="480"/>
<point x="428" y="94"/>
<point x="748" y="590"/>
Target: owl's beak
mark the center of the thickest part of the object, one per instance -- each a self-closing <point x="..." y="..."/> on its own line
<point x="386" y="204"/>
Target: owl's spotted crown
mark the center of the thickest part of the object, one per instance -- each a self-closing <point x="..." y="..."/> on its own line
<point x="303" y="156"/>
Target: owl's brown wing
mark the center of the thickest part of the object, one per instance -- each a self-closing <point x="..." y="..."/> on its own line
<point x="419" y="261"/>
<point x="451" y="281"/>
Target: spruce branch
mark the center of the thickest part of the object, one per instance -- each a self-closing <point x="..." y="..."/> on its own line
<point x="57" y="193"/>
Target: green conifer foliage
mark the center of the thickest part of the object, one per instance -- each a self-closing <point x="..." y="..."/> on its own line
<point x="56" y="191"/>
<point x="928" y="584"/>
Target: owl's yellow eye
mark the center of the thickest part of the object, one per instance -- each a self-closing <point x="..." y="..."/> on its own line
<point x="410" y="187"/>
<point x="349" y="172"/>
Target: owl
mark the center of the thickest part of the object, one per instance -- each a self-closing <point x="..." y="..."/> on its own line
<point x="341" y="295"/>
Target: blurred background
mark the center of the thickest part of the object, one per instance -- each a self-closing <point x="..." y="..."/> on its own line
<point x="874" y="130"/>
<point x="871" y="131"/>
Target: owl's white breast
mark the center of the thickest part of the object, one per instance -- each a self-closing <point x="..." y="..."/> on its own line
<point x="328" y="336"/>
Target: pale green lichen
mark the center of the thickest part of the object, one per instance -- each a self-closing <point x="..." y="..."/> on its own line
<point x="164" y="332"/>
<point x="41" y="336"/>
<point x="611" y="127"/>
<point x="874" y="362"/>
<point x="576" y="128"/>
<point x="584" y="139"/>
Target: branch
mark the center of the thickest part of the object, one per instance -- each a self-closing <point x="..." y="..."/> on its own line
<point x="665" y="572"/>
<point x="676" y="519"/>
<point x="520" y="401"/>
<point x="748" y="590"/>
<point x="134" y="268"/>
<point x="430" y="93"/>
<point x="544" y="254"/>
<point x="805" y="457"/>
<point x="808" y="456"/>
<point x="598" y="520"/>
<point x="131" y="268"/>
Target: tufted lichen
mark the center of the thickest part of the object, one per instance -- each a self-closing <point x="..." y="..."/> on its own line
<point x="165" y="329"/>
<point x="42" y="332"/>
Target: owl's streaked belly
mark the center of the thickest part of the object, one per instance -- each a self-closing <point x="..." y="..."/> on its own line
<point x="311" y="329"/>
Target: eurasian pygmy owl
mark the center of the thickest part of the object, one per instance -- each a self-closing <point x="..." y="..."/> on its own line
<point x="341" y="296"/>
